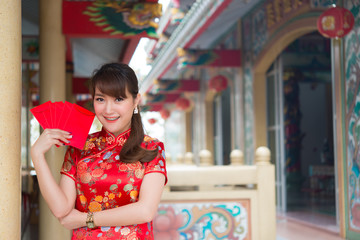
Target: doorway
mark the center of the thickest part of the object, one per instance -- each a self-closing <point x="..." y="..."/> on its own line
<point x="300" y="129"/>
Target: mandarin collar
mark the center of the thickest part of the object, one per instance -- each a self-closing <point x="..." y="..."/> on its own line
<point x="119" y="140"/>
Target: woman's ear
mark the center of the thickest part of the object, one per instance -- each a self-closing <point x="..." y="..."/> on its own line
<point x="137" y="99"/>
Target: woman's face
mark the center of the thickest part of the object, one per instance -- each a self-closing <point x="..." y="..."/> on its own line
<point x="115" y="113"/>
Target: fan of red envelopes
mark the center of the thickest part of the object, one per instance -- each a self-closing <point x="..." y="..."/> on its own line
<point x="65" y="116"/>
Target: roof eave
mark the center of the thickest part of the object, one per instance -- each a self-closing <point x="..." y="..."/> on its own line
<point x="200" y="13"/>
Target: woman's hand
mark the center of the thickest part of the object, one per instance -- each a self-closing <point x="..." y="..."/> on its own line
<point x="49" y="138"/>
<point x="75" y="219"/>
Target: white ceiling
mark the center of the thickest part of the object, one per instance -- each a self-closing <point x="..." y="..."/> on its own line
<point x="222" y="24"/>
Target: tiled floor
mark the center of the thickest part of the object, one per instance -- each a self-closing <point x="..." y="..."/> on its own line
<point x="322" y="221"/>
<point x="304" y="226"/>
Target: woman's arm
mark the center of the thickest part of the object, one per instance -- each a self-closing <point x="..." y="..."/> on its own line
<point x="135" y="213"/>
<point x="59" y="197"/>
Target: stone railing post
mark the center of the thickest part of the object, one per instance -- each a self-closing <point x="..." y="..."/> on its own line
<point x="179" y="159"/>
<point x="262" y="156"/>
<point x="205" y="158"/>
<point x="266" y="194"/>
<point x="236" y="157"/>
<point x="189" y="158"/>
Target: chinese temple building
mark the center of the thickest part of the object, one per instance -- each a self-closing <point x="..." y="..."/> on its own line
<point x="259" y="100"/>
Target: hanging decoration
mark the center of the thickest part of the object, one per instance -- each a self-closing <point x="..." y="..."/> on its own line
<point x="80" y="85"/>
<point x="165" y="114"/>
<point x="177" y="86"/>
<point x="177" y="15"/>
<point x="176" y="3"/>
<point x="182" y="104"/>
<point x="161" y="98"/>
<point x="163" y="38"/>
<point x="208" y="58"/>
<point x="152" y="121"/>
<point x="30" y="49"/>
<point x="218" y="83"/>
<point x="105" y="18"/>
<point x="335" y="22"/>
<point x="151" y="107"/>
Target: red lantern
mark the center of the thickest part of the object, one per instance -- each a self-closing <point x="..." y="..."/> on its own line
<point x="152" y="121"/>
<point x="335" y="22"/>
<point x="165" y="114"/>
<point x="182" y="103"/>
<point x="176" y="3"/>
<point x="218" y="83"/>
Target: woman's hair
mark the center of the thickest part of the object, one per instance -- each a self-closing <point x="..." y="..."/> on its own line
<point x="114" y="79"/>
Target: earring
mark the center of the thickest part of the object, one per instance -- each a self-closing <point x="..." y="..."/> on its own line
<point x="136" y="111"/>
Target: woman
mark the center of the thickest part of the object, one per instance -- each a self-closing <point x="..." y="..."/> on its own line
<point x="112" y="187"/>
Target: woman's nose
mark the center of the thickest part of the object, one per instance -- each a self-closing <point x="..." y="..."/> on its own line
<point x="108" y="107"/>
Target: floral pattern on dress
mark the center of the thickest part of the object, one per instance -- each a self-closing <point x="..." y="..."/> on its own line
<point x="103" y="181"/>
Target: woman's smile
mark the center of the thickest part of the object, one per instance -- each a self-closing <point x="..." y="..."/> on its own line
<point x="111" y="119"/>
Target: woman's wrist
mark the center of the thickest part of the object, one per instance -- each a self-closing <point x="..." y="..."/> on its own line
<point x="94" y="219"/>
<point x="36" y="158"/>
<point x="90" y="223"/>
<point x="83" y="218"/>
<point x="36" y="155"/>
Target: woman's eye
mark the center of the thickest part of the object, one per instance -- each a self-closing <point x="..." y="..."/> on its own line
<point x="99" y="99"/>
<point x="119" y="99"/>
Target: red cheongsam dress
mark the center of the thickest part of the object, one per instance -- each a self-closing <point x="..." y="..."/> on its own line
<point x="103" y="181"/>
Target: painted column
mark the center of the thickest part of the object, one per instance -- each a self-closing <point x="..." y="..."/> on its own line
<point x="209" y="123"/>
<point x="260" y="109"/>
<point x="238" y="112"/>
<point x="52" y="87"/>
<point x="249" y="118"/>
<point x="10" y="119"/>
<point x="202" y="115"/>
<point x="202" y="124"/>
<point x="188" y="132"/>
<point x="339" y="150"/>
<point x="197" y="127"/>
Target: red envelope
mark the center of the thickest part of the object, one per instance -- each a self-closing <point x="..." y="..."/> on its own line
<point x="66" y="116"/>
<point x="51" y="112"/>
<point x="42" y="114"/>
<point x="58" y="109"/>
<point x="79" y="124"/>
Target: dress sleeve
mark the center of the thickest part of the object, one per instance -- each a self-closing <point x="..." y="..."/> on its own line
<point x="158" y="164"/>
<point x="69" y="166"/>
